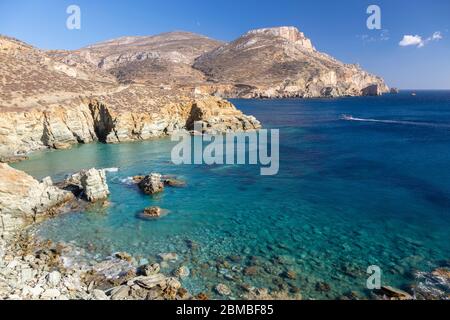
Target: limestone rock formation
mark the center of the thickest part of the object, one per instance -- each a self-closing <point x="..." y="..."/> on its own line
<point x="372" y="90"/>
<point x="24" y="199"/>
<point x="151" y="184"/>
<point x="90" y="184"/>
<point x="276" y="63"/>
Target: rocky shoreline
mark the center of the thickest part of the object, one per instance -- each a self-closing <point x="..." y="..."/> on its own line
<point x="89" y="120"/>
<point x="34" y="268"/>
<point x="38" y="270"/>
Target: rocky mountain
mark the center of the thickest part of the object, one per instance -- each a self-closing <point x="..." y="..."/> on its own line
<point x="47" y="101"/>
<point x="280" y="62"/>
<point x="160" y="60"/>
<point x="263" y="63"/>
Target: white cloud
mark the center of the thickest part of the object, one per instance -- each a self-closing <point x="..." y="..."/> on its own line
<point x="409" y="40"/>
<point x="437" y="36"/>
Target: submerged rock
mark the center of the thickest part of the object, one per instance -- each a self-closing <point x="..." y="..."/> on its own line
<point x="174" y="183"/>
<point x="124" y="256"/>
<point x="151" y="184"/>
<point x="223" y="290"/>
<point x="322" y="287"/>
<point x="290" y="274"/>
<point x="150" y="269"/>
<point x="171" y="256"/>
<point x="202" y="296"/>
<point x="182" y="272"/>
<point x="433" y="285"/>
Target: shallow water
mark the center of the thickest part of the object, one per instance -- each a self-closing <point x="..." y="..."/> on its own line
<point x="349" y="194"/>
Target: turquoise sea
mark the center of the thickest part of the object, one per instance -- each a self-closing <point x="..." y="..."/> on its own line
<point x="373" y="189"/>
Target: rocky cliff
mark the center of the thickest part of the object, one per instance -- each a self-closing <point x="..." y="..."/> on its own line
<point x="45" y="103"/>
<point x="24" y="199"/>
<point x="280" y="62"/>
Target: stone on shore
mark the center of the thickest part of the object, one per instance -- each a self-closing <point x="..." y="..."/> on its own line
<point x="54" y="278"/>
<point x="124" y="256"/>
<point x="150" y="269"/>
<point x="149" y="282"/>
<point x="99" y="295"/>
<point x="50" y="294"/>
<point x="151" y="184"/>
<point x="24" y="199"/>
<point x="394" y="293"/>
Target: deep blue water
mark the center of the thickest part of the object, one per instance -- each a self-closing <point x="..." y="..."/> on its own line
<point x="349" y="194"/>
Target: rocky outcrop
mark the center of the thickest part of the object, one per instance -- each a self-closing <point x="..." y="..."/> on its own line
<point x="152" y="212"/>
<point x="291" y="34"/>
<point x="90" y="120"/>
<point x="151" y="184"/>
<point x="88" y="184"/>
<point x="279" y="63"/>
<point x="24" y="200"/>
<point x="372" y="90"/>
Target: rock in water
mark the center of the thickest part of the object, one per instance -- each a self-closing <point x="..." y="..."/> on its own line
<point x="151" y="184"/>
<point x="171" y="256"/>
<point x="91" y="184"/>
<point x="174" y="183"/>
<point x="372" y="90"/>
<point x="152" y="212"/>
<point x="394" y="91"/>
<point x="94" y="185"/>
<point x="182" y="272"/>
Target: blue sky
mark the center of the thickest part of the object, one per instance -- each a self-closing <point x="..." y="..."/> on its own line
<point x="335" y="27"/>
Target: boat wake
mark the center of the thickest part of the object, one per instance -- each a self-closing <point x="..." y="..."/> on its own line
<point x="414" y="123"/>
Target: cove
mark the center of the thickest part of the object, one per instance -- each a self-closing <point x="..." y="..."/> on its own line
<point x="348" y="195"/>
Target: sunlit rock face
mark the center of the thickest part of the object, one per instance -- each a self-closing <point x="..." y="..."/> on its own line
<point x="24" y="199"/>
<point x="277" y="63"/>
